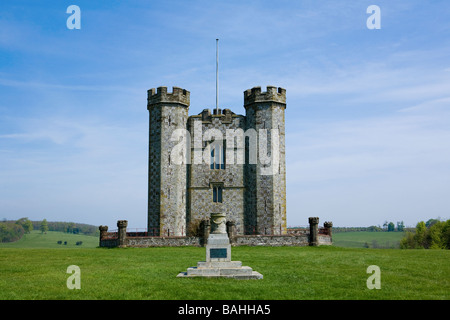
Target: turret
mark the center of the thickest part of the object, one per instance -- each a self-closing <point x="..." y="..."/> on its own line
<point x="168" y="111"/>
<point x="266" y="194"/>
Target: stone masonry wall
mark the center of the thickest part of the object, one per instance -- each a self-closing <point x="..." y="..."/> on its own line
<point x="136" y="239"/>
<point x="241" y="240"/>
<point x="265" y="114"/>
<point x="201" y="178"/>
<point x="167" y="179"/>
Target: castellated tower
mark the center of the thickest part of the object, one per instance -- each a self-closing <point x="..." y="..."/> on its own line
<point x="167" y="181"/>
<point x="234" y="164"/>
<point x="266" y="180"/>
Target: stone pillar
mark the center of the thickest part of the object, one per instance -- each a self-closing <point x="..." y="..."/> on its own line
<point x="328" y="226"/>
<point x="103" y="232"/>
<point x="218" y="247"/>
<point x="231" y="230"/>
<point x="122" y="232"/>
<point x="313" y="231"/>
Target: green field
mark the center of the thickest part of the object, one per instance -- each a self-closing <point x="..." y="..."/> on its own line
<point x="37" y="239"/>
<point x="360" y="239"/>
<point x="35" y="268"/>
<point x="290" y="273"/>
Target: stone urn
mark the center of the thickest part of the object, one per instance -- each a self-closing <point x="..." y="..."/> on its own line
<point x="218" y="223"/>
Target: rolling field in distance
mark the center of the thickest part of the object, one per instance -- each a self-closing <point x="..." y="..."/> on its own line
<point x="36" y="239"/>
<point x="360" y="239"/>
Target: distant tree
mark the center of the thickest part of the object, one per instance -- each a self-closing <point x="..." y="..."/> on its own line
<point x="44" y="226"/>
<point x="391" y="227"/>
<point x="446" y="233"/>
<point x="408" y="241"/>
<point x="400" y="226"/>
<point x="374" y="229"/>
<point x="10" y="232"/>
<point x="420" y="235"/>
<point x="436" y="236"/>
<point x="26" y="224"/>
<point x="430" y="222"/>
<point x="385" y="224"/>
<point x="70" y="227"/>
<point x="435" y="239"/>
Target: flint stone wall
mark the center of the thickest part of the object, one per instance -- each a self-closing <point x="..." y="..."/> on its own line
<point x="240" y="240"/>
<point x="164" y="242"/>
<point x="271" y="241"/>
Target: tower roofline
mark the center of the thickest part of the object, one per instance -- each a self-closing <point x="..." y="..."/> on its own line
<point x="160" y="95"/>
<point x="273" y="94"/>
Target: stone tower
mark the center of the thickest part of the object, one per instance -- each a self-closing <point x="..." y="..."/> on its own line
<point x="266" y="179"/>
<point x="215" y="178"/>
<point x="167" y="181"/>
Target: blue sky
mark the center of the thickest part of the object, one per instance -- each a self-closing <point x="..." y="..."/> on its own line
<point x="367" y="118"/>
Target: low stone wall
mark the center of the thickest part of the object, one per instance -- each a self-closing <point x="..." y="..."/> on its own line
<point x="164" y="242"/>
<point x="312" y="237"/>
<point x="271" y="240"/>
<point x="108" y="243"/>
<point x="325" y="240"/>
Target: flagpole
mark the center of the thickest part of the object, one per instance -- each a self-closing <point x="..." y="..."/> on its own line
<point x="217" y="76"/>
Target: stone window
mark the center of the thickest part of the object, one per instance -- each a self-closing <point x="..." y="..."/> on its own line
<point x="217" y="160"/>
<point x="217" y="193"/>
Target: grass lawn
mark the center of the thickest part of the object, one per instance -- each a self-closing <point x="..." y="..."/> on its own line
<point x="290" y="273"/>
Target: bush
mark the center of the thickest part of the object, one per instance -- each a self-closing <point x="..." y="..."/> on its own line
<point x="10" y="232"/>
<point x="434" y="236"/>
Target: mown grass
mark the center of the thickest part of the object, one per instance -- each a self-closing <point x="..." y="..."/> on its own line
<point x="290" y="273"/>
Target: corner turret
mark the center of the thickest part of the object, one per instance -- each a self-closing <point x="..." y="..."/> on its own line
<point x="160" y="95"/>
<point x="273" y="94"/>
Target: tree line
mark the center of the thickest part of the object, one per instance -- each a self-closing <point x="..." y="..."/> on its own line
<point x="68" y="227"/>
<point x="433" y="234"/>
<point x="387" y="226"/>
<point x="11" y="231"/>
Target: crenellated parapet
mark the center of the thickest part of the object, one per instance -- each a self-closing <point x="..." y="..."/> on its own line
<point x="160" y="95"/>
<point x="273" y="94"/>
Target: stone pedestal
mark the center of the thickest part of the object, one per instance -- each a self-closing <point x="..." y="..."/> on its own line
<point x="218" y="257"/>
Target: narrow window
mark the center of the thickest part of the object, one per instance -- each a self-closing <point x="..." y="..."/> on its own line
<point x="217" y="194"/>
<point x="217" y="160"/>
